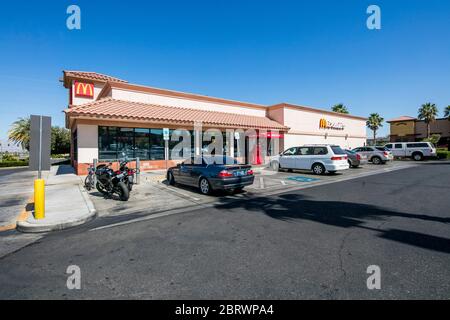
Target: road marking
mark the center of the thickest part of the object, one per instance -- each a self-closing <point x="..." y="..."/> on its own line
<point x="296" y="187"/>
<point x="283" y="182"/>
<point x="180" y="193"/>
<point x="261" y="182"/>
<point x="151" y="216"/>
<point x="23" y="215"/>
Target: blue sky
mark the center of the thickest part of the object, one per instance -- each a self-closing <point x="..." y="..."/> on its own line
<point x="315" y="53"/>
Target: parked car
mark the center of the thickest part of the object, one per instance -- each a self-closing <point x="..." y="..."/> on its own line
<point x="317" y="158"/>
<point x="415" y="150"/>
<point x="208" y="174"/>
<point x="376" y="155"/>
<point x="355" y="159"/>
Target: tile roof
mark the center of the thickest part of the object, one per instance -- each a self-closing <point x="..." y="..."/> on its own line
<point x="91" y="76"/>
<point x="402" y="118"/>
<point x="127" y="110"/>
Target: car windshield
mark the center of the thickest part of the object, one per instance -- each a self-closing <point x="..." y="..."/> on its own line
<point x="337" y="150"/>
<point x="350" y="151"/>
<point x="382" y="148"/>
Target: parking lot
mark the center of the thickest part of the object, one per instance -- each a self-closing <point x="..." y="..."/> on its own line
<point x="154" y="195"/>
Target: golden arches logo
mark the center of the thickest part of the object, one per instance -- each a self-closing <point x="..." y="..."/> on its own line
<point x="323" y="124"/>
<point x="84" y="89"/>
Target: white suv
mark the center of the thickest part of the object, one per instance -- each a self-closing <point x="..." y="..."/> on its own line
<point x="318" y="158"/>
<point x="416" y="150"/>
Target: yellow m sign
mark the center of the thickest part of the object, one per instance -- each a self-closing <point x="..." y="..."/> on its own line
<point x="323" y="124"/>
<point x="85" y="90"/>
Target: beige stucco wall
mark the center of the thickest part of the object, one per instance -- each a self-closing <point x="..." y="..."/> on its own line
<point x="87" y="136"/>
<point x="128" y="95"/>
<point x="304" y="129"/>
<point x="292" y="140"/>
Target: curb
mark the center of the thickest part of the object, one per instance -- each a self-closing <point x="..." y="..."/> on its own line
<point x="27" y="227"/>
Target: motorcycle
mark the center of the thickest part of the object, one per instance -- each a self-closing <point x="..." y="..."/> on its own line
<point x="111" y="182"/>
<point x="128" y="174"/>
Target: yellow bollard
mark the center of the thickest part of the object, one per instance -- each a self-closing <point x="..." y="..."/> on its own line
<point x="39" y="199"/>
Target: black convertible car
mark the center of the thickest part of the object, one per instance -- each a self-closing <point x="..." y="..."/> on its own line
<point x="208" y="174"/>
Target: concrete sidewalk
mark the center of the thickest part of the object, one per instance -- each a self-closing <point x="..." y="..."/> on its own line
<point x="67" y="204"/>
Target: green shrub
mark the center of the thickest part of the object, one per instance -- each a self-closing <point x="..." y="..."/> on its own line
<point x="443" y="154"/>
<point x="59" y="156"/>
<point x="434" y="139"/>
<point x="17" y="163"/>
<point x="9" y="157"/>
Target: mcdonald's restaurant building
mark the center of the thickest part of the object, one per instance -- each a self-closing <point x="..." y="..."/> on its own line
<point x="109" y="117"/>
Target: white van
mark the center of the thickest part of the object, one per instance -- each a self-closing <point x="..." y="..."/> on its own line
<point x="317" y="158"/>
<point x="415" y="150"/>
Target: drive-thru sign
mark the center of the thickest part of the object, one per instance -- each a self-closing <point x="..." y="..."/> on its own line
<point x="40" y="141"/>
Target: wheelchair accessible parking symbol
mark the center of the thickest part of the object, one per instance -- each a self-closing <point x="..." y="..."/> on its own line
<point x="302" y="179"/>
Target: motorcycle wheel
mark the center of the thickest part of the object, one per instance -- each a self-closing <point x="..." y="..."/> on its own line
<point x="130" y="186"/>
<point x="123" y="191"/>
<point x="101" y="189"/>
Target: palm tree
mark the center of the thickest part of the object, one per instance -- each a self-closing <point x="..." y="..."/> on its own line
<point x="428" y="112"/>
<point x="339" y="108"/>
<point x="374" y="122"/>
<point x="19" y="133"/>
<point x="447" y="113"/>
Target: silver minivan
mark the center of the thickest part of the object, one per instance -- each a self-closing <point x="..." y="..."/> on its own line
<point x="415" y="150"/>
<point x="317" y="158"/>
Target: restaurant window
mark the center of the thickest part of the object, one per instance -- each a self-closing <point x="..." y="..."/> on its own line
<point x="107" y="143"/>
<point x="125" y="142"/>
<point x="147" y="144"/>
<point x="156" y="144"/>
<point x="75" y="145"/>
<point x="142" y="143"/>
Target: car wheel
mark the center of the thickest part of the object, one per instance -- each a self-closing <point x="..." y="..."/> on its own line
<point x="417" y="156"/>
<point x="318" y="168"/>
<point x="275" y="165"/>
<point x="170" y="178"/>
<point x="204" y="186"/>
<point x="376" y="160"/>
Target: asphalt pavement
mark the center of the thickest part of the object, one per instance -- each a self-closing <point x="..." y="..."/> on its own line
<point x="16" y="187"/>
<point x="310" y="243"/>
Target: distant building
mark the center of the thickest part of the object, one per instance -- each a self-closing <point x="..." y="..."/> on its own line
<point x="10" y="147"/>
<point x="410" y="129"/>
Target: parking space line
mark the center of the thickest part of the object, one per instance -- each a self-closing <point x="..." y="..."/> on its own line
<point x="184" y="195"/>
<point x="248" y="195"/>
